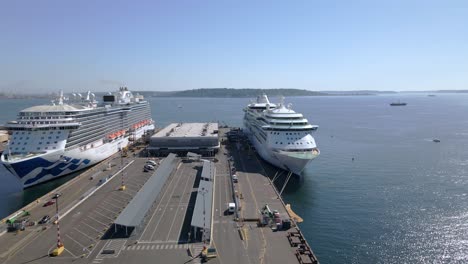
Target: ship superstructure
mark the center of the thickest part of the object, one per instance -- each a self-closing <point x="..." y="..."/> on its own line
<point x="50" y="141"/>
<point x="280" y="135"/>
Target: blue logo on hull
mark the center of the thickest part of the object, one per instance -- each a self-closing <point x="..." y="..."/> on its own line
<point x="26" y="167"/>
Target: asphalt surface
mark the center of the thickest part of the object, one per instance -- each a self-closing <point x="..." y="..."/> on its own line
<point x="164" y="236"/>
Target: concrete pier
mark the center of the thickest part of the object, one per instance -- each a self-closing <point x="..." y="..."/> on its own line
<point x="89" y="206"/>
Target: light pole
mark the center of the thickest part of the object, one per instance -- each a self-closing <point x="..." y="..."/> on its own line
<point x="60" y="247"/>
<point x="122" y="187"/>
<point x="203" y="192"/>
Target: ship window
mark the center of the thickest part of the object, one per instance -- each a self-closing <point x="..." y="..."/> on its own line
<point x="51" y="132"/>
<point x="54" y="147"/>
<point x="12" y="143"/>
<point x="38" y="148"/>
<point x="59" y="132"/>
<point x="46" y="147"/>
<point x="14" y="137"/>
<point x="49" y="137"/>
<point x="55" y="142"/>
<point x="25" y="143"/>
<point x="22" y="133"/>
<point x="48" y="143"/>
<point x="43" y="132"/>
<point x="22" y="149"/>
<point x="42" y="137"/>
<point x="16" y="148"/>
<point x="21" y="138"/>
<point x="57" y="137"/>
<point x="276" y="142"/>
<point x="40" y="143"/>
<point x="27" y="137"/>
<point x="281" y="143"/>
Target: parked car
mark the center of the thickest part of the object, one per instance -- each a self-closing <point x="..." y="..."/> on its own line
<point x="101" y="181"/>
<point x="234" y="178"/>
<point x="51" y="202"/>
<point x="44" y="219"/>
<point x="149" y="167"/>
<point x="231" y="208"/>
<point x="151" y="162"/>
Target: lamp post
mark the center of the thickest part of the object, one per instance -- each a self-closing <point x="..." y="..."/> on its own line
<point x="122" y="187"/>
<point x="60" y="247"/>
<point x="203" y="192"/>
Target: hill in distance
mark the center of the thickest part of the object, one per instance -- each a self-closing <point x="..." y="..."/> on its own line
<point x="230" y="92"/>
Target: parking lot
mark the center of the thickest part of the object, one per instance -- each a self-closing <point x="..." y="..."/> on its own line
<point x="89" y="223"/>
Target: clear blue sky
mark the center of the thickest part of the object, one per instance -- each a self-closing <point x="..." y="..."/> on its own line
<point x="175" y="45"/>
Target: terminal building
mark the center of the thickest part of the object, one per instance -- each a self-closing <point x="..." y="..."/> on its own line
<point x="181" y="138"/>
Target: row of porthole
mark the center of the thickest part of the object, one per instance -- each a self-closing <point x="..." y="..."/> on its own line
<point x="37" y="148"/>
<point x="29" y="133"/>
<point x="14" y="138"/>
<point x="40" y="143"/>
<point x="297" y="143"/>
<point x="289" y="133"/>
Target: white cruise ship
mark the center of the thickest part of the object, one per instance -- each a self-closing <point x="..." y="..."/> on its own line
<point x="50" y="141"/>
<point x="280" y="135"/>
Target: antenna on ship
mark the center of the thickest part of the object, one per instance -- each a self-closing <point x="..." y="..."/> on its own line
<point x="60" y="99"/>
<point x="281" y="100"/>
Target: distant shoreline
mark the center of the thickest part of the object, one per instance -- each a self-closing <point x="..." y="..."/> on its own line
<point x="242" y="93"/>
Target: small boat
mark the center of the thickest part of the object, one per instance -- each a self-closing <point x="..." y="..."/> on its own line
<point x="431" y="95"/>
<point x="436" y="140"/>
<point x="397" y="104"/>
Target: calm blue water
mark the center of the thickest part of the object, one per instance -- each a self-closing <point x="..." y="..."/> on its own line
<point x="404" y="198"/>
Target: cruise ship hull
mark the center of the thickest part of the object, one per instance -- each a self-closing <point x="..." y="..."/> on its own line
<point x="289" y="161"/>
<point x="52" y="165"/>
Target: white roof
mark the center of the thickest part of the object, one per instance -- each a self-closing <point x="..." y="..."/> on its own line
<point x="54" y="108"/>
<point x="189" y="130"/>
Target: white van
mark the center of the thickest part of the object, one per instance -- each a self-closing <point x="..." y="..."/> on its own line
<point x="231" y="208"/>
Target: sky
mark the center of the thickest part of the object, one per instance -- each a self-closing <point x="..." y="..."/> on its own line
<point x="156" y="45"/>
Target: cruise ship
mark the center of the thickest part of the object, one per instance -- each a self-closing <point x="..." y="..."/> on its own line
<point x="50" y="141"/>
<point x="280" y="135"/>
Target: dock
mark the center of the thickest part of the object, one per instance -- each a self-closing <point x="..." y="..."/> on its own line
<point x="159" y="215"/>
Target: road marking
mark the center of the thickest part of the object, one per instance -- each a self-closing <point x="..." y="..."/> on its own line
<point x="106" y="209"/>
<point x="99" y="222"/>
<point x="116" y="200"/>
<point x="157" y="246"/>
<point x="83" y="222"/>
<point x="180" y="203"/>
<point x="81" y="232"/>
<point x="97" y="212"/>
<point x="113" y="205"/>
<point x="164" y="194"/>
<point x="62" y="215"/>
<point x="81" y="245"/>
<point x="180" y="176"/>
<point x="138" y="247"/>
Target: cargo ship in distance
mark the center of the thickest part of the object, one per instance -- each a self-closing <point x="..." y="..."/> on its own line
<point x="50" y="141"/>
<point x="281" y="136"/>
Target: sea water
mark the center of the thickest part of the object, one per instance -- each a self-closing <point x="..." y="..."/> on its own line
<point x="380" y="192"/>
